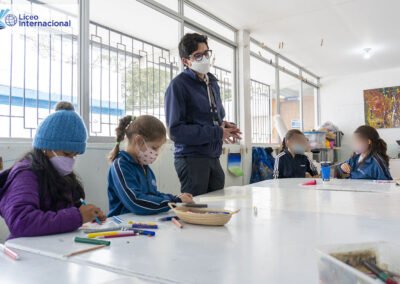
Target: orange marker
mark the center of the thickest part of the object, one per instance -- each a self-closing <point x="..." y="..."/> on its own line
<point x="179" y="225"/>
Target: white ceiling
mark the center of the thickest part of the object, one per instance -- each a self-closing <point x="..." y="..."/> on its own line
<point x="347" y="27"/>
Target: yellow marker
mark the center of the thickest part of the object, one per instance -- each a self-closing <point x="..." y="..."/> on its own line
<point x="94" y="235"/>
<point x="130" y="222"/>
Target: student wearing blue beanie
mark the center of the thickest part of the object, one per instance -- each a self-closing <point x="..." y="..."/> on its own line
<point x="40" y="194"/>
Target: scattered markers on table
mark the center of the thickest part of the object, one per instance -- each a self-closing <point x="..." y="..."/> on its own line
<point x="179" y="225"/>
<point x="99" y="230"/>
<point x="96" y="219"/>
<point x="84" y="250"/>
<point x="9" y="252"/>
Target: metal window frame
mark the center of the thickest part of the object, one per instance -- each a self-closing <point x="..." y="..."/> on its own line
<point x="279" y="68"/>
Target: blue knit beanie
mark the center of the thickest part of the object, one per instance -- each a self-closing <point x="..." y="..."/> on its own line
<point x="63" y="130"/>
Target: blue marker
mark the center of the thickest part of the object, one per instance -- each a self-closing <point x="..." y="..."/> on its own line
<point x="96" y="219"/>
<point x="168" y="218"/>
<point x="143" y="232"/>
<point x="117" y="220"/>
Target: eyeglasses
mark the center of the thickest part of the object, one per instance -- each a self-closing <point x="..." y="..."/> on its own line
<point x="199" y="56"/>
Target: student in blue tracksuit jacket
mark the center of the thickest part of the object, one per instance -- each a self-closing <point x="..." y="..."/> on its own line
<point x="132" y="185"/>
<point x="291" y="162"/>
<point x="369" y="160"/>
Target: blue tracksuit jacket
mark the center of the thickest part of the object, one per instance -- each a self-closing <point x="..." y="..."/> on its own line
<point x="373" y="168"/>
<point x="132" y="189"/>
<point x="188" y="116"/>
<point x="287" y="166"/>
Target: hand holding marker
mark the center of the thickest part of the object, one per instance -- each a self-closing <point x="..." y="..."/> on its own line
<point x="83" y="221"/>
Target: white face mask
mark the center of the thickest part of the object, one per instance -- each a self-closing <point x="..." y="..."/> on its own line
<point x="202" y="66"/>
<point x="147" y="157"/>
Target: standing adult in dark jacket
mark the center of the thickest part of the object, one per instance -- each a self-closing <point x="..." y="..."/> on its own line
<point x="195" y="119"/>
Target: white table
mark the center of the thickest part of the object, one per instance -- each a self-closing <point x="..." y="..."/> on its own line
<point x="33" y="268"/>
<point x="276" y="245"/>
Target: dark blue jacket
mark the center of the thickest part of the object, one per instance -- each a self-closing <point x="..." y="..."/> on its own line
<point x="133" y="189"/>
<point x="374" y="167"/>
<point x="287" y="166"/>
<point x="188" y="116"/>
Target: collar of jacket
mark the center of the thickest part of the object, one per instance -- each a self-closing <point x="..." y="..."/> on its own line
<point x="128" y="157"/>
<point x="194" y="76"/>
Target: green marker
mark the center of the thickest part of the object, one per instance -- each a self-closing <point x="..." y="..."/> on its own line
<point x="91" y="241"/>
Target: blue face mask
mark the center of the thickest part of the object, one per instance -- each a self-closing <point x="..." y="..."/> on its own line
<point x="298" y="149"/>
<point x="63" y="165"/>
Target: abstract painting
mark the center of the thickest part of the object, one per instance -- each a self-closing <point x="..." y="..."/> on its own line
<point x="382" y="107"/>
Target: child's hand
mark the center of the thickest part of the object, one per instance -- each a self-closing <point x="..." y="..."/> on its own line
<point x="308" y="175"/>
<point x="186" y="198"/>
<point x="345" y="168"/>
<point x="89" y="212"/>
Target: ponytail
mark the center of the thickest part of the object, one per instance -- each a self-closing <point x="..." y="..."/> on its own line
<point x="381" y="149"/>
<point x="120" y="133"/>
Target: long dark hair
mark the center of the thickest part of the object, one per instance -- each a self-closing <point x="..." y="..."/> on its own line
<point x="149" y="127"/>
<point x="378" y="146"/>
<point x="289" y="135"/>
<point x="51" y="183"/>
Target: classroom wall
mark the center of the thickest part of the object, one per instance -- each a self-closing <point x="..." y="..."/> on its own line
<point x="342" y="103"/>
<point x="93" y="168"/>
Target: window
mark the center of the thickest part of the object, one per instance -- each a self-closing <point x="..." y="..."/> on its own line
<point x="38" y="66"/>
<point x="207" y="22"/>
<point x="289" y="100"/>
<point x="263" y="101"/>
<point x="309" y="102"/>
<point x="130" y="66"/>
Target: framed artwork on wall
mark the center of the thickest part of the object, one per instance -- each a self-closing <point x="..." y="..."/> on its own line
<point x="382" y="107"/>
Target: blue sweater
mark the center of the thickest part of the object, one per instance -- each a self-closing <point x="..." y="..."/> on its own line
<point x="373" y="168"/>
<point x="188" y="116"/>
<point x="132" y="189"/>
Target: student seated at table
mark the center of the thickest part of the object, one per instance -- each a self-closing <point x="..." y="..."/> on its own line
<point x="40" y="194"/>
<point x="291" y="162"/>
<point x="132" y="185"/>
<point x="369" y="160"/>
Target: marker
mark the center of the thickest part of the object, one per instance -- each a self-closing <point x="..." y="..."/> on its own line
<point x="84" y="250"/>
<point x="179" y="225"/>
<point x="96" y="219"/>
<point x="378" y="272"/>
<point x="98" y="230"/>
<point x="100" y="234"/>
<point x="118" y="236"/>
<point x="144" y="226"/>
<point x="9" y="252"/>
<point x="168" y="218"/>
<point x="91" y="241"/>
<point x="117" y="220"/>
<point x="143" y="232"/>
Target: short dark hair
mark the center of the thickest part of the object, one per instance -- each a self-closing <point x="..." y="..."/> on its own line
<point x="190" y="43"/>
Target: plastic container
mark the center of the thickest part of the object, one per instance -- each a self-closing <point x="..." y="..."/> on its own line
<point x="316" y="139"/>
<point x="326" y="171"/>
<point x="338" y="139"/>
<point x="332" y="270"/>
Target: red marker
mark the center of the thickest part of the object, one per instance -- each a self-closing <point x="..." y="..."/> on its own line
<point x="9" y="252"/>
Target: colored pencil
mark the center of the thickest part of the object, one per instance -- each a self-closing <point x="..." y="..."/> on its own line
<point x="117" y="220"/>
<point x="84" y="250"/>
<point x="9" y="252"/>
<point x="179" y="225"/>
